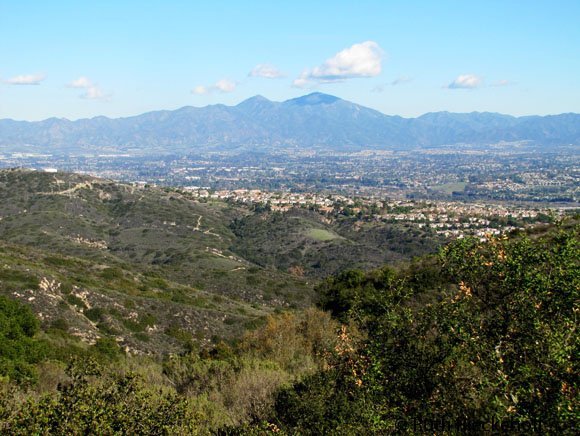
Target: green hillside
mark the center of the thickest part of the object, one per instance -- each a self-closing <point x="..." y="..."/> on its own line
<point x="146" y="266"/>
<point x="140" y="263"/>
<point x="321" y="245"/>
<point x="149" y="228"/>
<point x="482" y="335"/>
<point x="140" y="310"/>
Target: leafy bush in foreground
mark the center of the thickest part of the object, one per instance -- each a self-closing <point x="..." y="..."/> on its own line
<point x="106" y="405"/>
<point x="492" y="339"/>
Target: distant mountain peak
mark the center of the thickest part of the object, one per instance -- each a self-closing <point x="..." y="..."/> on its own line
<point x="255" y="102"/>
<point x="256" y="99"/>
<point x="313" y="99"/>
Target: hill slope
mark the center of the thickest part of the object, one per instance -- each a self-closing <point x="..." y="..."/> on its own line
<point x="142" y="261"/>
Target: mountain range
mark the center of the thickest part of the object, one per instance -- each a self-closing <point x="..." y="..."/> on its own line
<point x="313" y="121"/>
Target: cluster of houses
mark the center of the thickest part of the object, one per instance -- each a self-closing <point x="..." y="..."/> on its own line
<point x="450" y="219"/>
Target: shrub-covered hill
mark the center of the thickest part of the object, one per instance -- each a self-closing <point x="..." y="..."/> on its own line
<point x="318" y="245"/>
<point x="147" y="266"/>
<point x="142" y="311"/>
<point x="108" y="251"/>
<point x="483" y="337"/>
<point x="156" y="230"/>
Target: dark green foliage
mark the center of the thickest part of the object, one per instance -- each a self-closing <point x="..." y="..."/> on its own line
<point x="178" y="333"/>
<point x="331" y="401"/>
<point x="76" y="301"/>
<point x="320" y="246"/>
<point x="60" y="324"/>
<point x="321" y="404"/>
<point x="140" y="324"/>
<point x="142" y="337"/>
<point x="112" y="274"/>
<point x="17" y="279"/>
<point x="95" y="314"/>
<point x="485" y="334"/>
<point x="111" y="405"/>
<point x="19" y="350"/>
<point x="107" y="349"/>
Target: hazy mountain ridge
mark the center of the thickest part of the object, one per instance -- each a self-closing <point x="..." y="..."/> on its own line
<point x="314" y="120"/>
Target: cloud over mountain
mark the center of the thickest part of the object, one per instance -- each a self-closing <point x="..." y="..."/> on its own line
<point x="222" y="85"/>
<point x="466" y="81"/>
<point x="92" y="90"/>
<point x="359" y="60"/>
<point x="266" y="71"/>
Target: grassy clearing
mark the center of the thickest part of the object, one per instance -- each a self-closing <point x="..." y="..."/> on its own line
<point x="321" y="235"/>
<point x="450" y="188"/>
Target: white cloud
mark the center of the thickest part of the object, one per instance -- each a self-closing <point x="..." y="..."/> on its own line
<point x="93" y="93"/>
<point x="466" y="81"/>
<point x="81" y="82"/>
<point x="503" y="83"/>
<point x="26" y="79"/>
<point x="401" y="80"/>
<point x="359" y="60"/>
<point x="199" y="90"/>
<point x="223" y="85"/>
<point x="303" y="81"/>
<point x="267" y="71"/>
<point x="92" y="90"/>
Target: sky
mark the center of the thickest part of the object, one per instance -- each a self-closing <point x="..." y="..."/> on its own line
<point x="76" y="59"/>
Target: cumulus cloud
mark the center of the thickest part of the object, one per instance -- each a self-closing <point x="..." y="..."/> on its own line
<point x="359" y="60"/>
<point x="26" y="79"/>
<point x="93" y="93"/>
<point x="92" y="90"/>
<point x="266" y="71"/>
<point x="304" y="80"/>
<point x="466" y="81"/>
<point x="223" y="86"/>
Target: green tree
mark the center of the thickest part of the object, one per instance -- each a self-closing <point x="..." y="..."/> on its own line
<point x="19" y="350"/>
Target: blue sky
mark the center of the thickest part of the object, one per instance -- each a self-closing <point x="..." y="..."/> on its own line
<point x="119" y="58"/>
